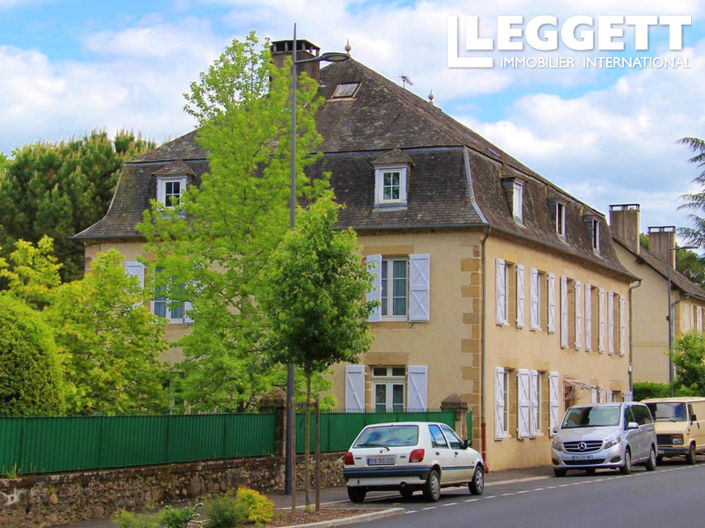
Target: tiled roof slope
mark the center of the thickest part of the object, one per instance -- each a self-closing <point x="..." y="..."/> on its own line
<point x="659" y="265"/>
<point x="454" y="175"/>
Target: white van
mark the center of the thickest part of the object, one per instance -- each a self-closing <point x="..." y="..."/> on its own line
<point x="680" y="426"/>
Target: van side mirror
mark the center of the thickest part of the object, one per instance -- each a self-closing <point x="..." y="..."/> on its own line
<point x="464" y="444"/>
<point x="693" y="417"/>
<point x="632" y="425"/>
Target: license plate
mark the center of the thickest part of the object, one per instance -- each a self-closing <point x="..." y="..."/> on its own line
<point x="582" y="457"/>
<point x="381" y="461"/>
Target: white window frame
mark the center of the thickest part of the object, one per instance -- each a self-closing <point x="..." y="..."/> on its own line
<point x="501" y="292"/>
<point x="388" y="380"/>
<point x="595" y="235"/>
<point x="380" y="171"/>
<point x="520" y="296"/>
<point x="161" y="188"/>
<point x="169" y="312"/>
<point x="388" y="263"/>
<point x="534" y="299"/>
<point x="418" y="287"/>
<point x="518" y="201"/>
<point x="559" y="219"/>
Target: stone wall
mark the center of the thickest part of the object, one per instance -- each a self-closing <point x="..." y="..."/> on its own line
<point x="48" y="500"/>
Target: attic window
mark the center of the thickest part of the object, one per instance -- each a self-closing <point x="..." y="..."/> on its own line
<point x="344" y="90"/>
<point x="558" y="213"/>
<point x="593" y="226"/>
<point x="169" y="190"/>
<point x="390" y="185"/>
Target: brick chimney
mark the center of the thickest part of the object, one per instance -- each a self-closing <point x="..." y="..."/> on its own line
<point x="304" y="50"/>
<point x="624" y="222"/>
<point x="662" y="239"/>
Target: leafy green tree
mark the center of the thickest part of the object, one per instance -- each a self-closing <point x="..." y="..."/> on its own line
<point x="689" y="360"/>
<point x="211" y="248"/>
<point x="60" y="189"/>
<point x="30" y="374"/>
<point x="314" y="296"/>
<point x="695" y="202"/>
<point x="692" y="265"/>
<point x="34" y="273"/>
<point x="109" y="343"/>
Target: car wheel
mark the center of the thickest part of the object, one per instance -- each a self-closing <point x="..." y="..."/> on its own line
<point x="651" y="461"/>
<point x="627" y="466"/>
<point x="659" y="460"/>
<point x="477" y="484"/>
<point x="559" y="472"/>
<point x="357" y="494"/>
<point x="690" y="457"/>
<point x="406" y="493"/>
<point x="432" y="488"/>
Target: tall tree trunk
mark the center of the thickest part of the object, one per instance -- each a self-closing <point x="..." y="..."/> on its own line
<point x="307" y="441"/>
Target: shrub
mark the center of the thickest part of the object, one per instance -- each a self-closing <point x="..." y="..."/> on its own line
<point x="31" y="375"/>
<point x="647" y="389"/>
<point x="222" y="512"/>
<point x="257" y="508"/>
<point x="125" y="519"/>
<point x="178" y="518"/>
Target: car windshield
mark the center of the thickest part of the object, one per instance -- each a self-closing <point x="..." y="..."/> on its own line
<point x="667" y="411"/>
<point x="388" y="436"/>
<point x="598" y="416"/>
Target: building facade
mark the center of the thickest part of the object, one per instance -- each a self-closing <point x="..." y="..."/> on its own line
<point x="496" y="287"/>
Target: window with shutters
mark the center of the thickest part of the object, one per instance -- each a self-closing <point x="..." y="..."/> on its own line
<point x="555" y="395"/>
<point x="540" y="303"/>
<point x="388" y="388"/>
<point x="169" y="303"/>
<point x="401" y="285"/>
<point x="523" y="403"/>
<point x="520" y="293"/>
<point x="551" y="303"/>
<point x="506" y="292"/>
<point x="534" y="403"/>
<point x="611" y="306"/>
<point x="501" y="403"/>
<point x="622" y="325"/>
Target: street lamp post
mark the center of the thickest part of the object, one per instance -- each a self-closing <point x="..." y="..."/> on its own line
<point x="669" y="317"/>
<point x="291" y="412"/>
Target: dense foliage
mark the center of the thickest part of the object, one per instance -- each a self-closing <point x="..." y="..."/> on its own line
<point x="59" y="189"/>
<point x="689" y="361"/>
<point x="30" y="374"/>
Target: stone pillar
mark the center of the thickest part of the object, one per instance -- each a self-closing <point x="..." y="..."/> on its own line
<point x="460" y="408"/>
<point x="275" y="402"/>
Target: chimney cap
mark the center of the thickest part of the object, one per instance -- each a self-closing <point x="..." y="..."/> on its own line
<point x="662" y="229"/>
<point x="624" y="207"/>
<point x="285" y="46"/>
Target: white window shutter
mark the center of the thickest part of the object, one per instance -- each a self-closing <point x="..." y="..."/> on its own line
<point x="499" y="403"/>
<point x="135" y="269"/>
<point x="602" y="321"/>
<point x="187" y="310"/>
<point x="534" y="313"/>
<point x="501" y="292"/>
<point x="554" y="402"/>
<point x="700" y="318"/>
<point x="578" y="315"/>
<point x="551" y="303"/>
<point x="595" y="395"/>
<point x="355" y="388"/>
<point x="520" y="296"/>
<point x="610" y="323"/>
<point x="419" y="286"/>
<point x="533" y="403"/>
<point x="588" y="318"/>
<point x="418" y="387"/>
<point x="622" y="326"/>
<point x="374" y="266"/>
<point x="524" y="399"/>
<point x="564" y="312"/>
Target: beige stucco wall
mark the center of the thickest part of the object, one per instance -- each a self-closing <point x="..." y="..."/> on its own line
<point x="512" y="348"/>
<point x="131" y="251"/>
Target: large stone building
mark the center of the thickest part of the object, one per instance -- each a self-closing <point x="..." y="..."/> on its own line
<point x="655" y="266"/>
<point x="495" y="285"/>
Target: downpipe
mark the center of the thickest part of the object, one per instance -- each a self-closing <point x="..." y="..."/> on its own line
<point x="483" y="418"/>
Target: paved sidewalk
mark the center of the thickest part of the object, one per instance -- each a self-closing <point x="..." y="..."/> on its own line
<point x="340" y="495"/>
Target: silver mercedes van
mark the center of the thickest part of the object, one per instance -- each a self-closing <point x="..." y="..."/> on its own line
<point x="605" y="435"/>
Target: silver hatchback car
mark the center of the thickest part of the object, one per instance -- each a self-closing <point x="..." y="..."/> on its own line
<point x="605" y="435"/>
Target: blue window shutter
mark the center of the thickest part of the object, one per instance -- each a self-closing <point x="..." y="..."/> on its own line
<point x="374" y="266"/>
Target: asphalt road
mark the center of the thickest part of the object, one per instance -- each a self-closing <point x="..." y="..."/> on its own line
<point x="673" y="496"/>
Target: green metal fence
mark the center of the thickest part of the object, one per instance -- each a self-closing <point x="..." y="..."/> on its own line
<point x="44" y="445"/>
<point x="53" y="444"/>
<point x="339" y="429"/>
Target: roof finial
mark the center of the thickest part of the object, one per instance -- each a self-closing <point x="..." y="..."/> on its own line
<point x="348" y="47"/>
<point x="430" y="97"/>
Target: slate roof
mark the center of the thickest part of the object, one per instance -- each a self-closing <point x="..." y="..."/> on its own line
<point x="454" y="181"/>
<point x="660" y="266"/>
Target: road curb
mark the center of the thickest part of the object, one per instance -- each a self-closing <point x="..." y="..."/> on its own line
<point x="364" y="517"/>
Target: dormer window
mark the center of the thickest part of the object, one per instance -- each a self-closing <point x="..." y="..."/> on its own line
<point x="518" y="201"/>
<point x="390" y="185"/>
<point x="558" y="210"/>
<point x="169" y="191"/>
<point x="593" y="226"/>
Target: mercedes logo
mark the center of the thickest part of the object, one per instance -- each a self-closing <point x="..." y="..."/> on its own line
<point x="582" y="446"/>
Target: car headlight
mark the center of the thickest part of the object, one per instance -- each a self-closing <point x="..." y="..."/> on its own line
<point x="557" y="444"/>
<point x="611" y="442"/>
<point x="678" y="439"/>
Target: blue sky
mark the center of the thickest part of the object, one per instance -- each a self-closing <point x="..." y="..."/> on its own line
<point x="604" y="135"/>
